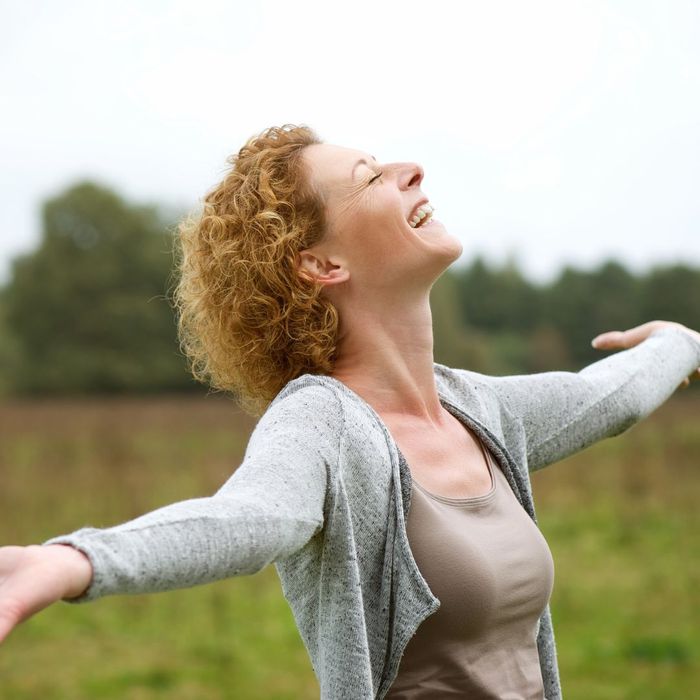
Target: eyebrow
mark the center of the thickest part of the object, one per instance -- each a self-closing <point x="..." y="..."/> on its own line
<point x="362" y="160"/>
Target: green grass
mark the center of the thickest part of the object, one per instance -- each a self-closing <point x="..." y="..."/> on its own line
<point x="621" y="519"/>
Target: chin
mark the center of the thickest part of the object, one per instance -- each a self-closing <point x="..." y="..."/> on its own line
<point x="453" y="248"/>
<point x="448" y="245"/>
<point x="444" y="256"/>
<point x="459" y="247"/>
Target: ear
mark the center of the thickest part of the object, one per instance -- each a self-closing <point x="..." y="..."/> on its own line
<point x="315" y="266"/>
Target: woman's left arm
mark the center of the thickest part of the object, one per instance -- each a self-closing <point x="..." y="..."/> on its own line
<point x="564" y="412"/>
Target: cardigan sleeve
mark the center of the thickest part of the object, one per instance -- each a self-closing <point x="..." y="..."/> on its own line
<point x="563" y="412"/>
<point x="270" y="507"/>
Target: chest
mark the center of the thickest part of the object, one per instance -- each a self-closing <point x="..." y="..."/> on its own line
<point x="448" y="462"/>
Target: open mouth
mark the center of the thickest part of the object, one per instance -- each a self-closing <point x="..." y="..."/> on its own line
<point x="422" y="216"/>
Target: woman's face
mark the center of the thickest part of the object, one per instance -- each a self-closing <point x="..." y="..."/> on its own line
<point x="369" y="238"/>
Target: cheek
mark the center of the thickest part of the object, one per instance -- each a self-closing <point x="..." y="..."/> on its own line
<point x="371" y="230"/>
<point x="384" y="213"/>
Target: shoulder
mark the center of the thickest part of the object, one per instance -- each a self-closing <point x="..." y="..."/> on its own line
<point x="480" y="395"/>
<point x="304" y="405"/>
<point x="300" y="432"/>
<point x="305" y="390"/>
<point x="460" y="383"/>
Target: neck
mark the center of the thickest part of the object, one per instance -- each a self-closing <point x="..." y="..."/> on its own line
<point x="385" y="355"/>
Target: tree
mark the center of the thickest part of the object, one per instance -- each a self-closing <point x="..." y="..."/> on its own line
<point x="8" y="349"/>
<point x="454" y="344"/>
<point x="583" y="304"/>
<point x="497" y="300"/>
<point x="88" y="308"/>
<point x="672" y="293"/>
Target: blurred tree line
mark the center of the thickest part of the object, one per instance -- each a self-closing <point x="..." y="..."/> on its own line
<point x="89" y="311"/>
<point x="505" y="324"/>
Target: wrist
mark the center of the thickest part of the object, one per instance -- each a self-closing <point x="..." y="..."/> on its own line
<point x="75" y="567"/>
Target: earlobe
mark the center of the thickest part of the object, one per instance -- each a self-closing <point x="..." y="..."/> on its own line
<point x="336" y="275"/>
<point x="313" y="268"/>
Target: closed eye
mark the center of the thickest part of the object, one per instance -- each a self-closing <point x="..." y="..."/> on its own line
<point x="374" y="178"/>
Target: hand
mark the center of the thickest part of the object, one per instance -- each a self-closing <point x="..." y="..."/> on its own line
<point x="36" y="576"/>
<point x="629" y="338"/>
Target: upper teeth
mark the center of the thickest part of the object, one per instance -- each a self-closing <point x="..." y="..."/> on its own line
<point x="423" y="213"/>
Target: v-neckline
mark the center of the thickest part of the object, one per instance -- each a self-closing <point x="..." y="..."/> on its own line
<point x="465" y="418"/>
<point x="465" y="500"/>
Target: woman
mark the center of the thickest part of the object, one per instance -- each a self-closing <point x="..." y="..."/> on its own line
<point x="375" y="477"/>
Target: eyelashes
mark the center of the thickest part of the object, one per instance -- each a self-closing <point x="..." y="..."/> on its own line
<point x="376" y="177"/>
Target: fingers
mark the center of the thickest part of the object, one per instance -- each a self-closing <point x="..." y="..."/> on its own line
<point x="10" y="616"/>
<point x="628" y="338"/>
<point x="693" y="377"/>
<point x="31" y="579"/>
<point x="611" y="339"/>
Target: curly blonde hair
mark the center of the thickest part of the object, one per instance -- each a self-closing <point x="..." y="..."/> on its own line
<point x="248" y="322"/>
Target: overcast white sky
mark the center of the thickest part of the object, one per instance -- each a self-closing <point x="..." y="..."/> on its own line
<point x="557" y="132"/>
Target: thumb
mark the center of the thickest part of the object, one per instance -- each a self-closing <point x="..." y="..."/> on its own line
<point x="611" y="339"/>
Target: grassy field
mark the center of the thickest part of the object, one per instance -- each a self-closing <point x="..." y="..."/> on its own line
<point x="622" y="519"/>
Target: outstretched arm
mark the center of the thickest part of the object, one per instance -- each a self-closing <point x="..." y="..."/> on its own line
<point x="564" y="412"/>
<point x="270" y="507"/>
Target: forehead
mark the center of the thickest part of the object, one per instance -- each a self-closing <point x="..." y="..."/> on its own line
<point x="330" y="164"/>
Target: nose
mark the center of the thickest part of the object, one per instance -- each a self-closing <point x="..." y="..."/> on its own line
<point x="411" y="176"/>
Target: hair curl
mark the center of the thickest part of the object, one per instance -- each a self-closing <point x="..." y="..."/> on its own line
<point x="247" y="320"/>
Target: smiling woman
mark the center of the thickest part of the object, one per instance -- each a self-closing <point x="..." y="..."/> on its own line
<point x="375" y="478"/>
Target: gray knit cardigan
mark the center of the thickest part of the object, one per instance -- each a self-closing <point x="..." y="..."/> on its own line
<point x="323" y="492"/>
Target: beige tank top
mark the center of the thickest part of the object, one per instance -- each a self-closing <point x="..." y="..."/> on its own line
<point x="492" y="571"/>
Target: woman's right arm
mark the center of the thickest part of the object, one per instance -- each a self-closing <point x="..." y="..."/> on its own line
<point x="270" y="507"/>
<point x="34" y="577"/>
